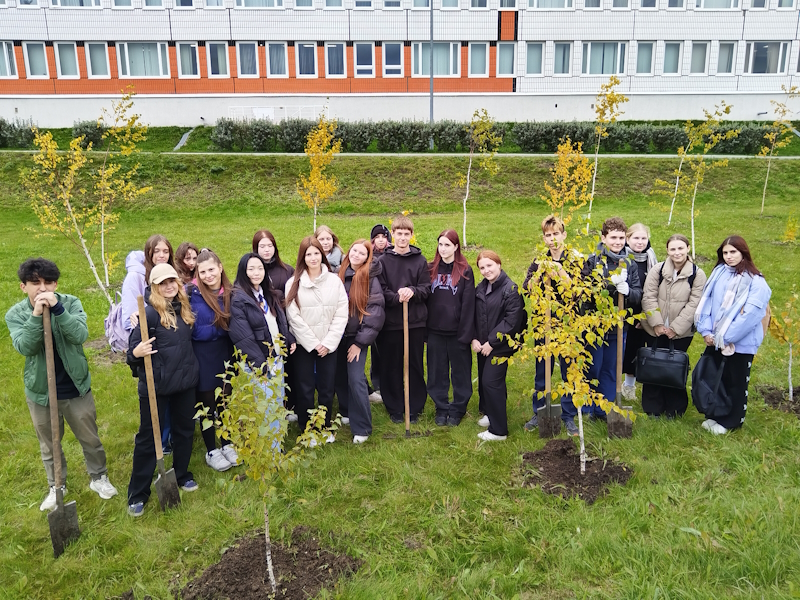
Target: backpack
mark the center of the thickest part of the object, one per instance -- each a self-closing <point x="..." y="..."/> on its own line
<point x="116" y="334"/>
<point x="691" y="279"/>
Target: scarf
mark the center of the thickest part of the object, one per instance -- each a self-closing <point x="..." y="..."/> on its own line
<point x="621" y="257"/>
<point x="732" y="302"/>
<point x="648" y="255"/>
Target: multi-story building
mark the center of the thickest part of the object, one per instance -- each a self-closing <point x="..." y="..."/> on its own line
<point x="521" y="59"/>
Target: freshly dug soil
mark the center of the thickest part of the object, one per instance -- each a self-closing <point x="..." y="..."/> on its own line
<point x="556" y="468"/>
<point x="301" y="570"/>
<point x="105" y="356"/>
<point x="778" y="398"/>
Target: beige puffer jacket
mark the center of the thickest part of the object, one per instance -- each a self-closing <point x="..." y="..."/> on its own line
<point x="672" y="303"/>
<point x="321" y="316"/>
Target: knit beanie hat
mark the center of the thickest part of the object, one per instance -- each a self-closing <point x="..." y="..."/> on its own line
<point x="379" y="229"/>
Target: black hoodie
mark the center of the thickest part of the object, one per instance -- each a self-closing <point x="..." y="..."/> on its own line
<point x="278" y="275"/>
<point x="405" y="270"/>
<point x="367" y="329"/>
<point x="451" y="310"/>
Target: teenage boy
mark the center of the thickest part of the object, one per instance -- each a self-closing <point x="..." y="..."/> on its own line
<point x="405" y="279"/>
<point x="39" y="280"/>
<point x="622" y="277"/>
<point x="555" y="236"/>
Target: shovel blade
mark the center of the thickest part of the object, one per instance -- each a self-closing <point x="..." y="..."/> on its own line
<point x="167" y="490"/>
<point x="63" y="526"/>
<point x="619" y="426"/>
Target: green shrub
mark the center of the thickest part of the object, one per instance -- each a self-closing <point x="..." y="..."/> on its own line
<point x="263" y="135"/>
<point x="639" y="138"/>
<point x="231" y="134"/>
<point x="217" y="169"/>
<point x="528" y="136"/>
<point x="749" y="140"/>
<point x="16" y="134"/>
<point x="416" y="136"/>
<point x="668" y="138"/>
<point x="388" y="135"/>
<point x="356" y="137"/>
<point x="293" y="134"/>
<point x="91" y="131"/>
<point x="449" y="136"/>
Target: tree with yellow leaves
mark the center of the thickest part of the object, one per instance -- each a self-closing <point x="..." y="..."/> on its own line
<point x="571" y="174"/>
<point x="785" y="327"/>
<point x="484" y="141"/>
<point x="779" y="135"/>
<point x="320" y="149"/>
<point x="71" y="198"/>
<point x="606" y="108"/>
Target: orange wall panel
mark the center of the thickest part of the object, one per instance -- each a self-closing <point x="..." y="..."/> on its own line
<point x="507" y="25"/>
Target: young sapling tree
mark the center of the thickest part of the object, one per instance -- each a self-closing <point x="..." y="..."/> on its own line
<point x="779" y="135"/>
<point x="319" y="187"/>
<point x="570" y="175"/>
<point x="785" y="327"/>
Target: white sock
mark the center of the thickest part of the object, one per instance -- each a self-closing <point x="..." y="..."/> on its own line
<point x="630" y="380"/>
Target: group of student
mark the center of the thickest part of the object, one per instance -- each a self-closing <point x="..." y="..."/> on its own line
<point x="332" y="308"/>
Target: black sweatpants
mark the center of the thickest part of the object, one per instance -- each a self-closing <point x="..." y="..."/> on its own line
<point x="214" y="406"/>
<point x="658" y="400"/>
<point x="181" y="408"/>
<point x="493" y="393"/>
<point x="735" y="379"/>
<point x="312" y="372"/>
<point x="449" y="361"/>
<point x="390" y="346"/>
<point x="635" y="339"/>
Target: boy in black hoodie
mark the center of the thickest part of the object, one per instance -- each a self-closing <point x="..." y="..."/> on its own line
<point x="404" y="278"/>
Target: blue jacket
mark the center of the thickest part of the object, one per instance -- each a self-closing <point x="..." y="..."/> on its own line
<point x="204" y="329"/>
<point x="745" y="332"/>
<point x="133" y="286"/>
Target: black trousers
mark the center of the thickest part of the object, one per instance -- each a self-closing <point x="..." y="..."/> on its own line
<point x="635" y="339"/>
<point x="374" y="368"/>
<point x="312" y="372"/>
<point x="493" y="393"/>
<point x="181" y="409"/>
<point x="288" y="365"/>
<point x="658" y="400"/>
<point x="449" y="361"/>
<point x="735" y="379"/>
<point x="390" y="346"/>
<point x="214" y="407"/>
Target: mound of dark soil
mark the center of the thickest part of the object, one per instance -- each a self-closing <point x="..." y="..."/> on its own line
<point x="556" y="468"/>
<point x="301" y="570"/>
<point x="778" y="398"/>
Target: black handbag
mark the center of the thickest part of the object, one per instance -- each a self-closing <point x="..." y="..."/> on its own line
<point x="708" y="393"/>
<point x="662" y="366"/>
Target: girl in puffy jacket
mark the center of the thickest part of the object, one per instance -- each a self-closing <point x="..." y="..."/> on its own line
<point x="316" y="307"/>
<point x="210" y="298"/>
<point x="365" y="319"/>
<point x="157" y="250"/>
<point x="168" y="339"/>
<point x="734" y="302"/>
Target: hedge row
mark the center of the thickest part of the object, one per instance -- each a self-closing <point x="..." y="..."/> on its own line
<point x="450" y="136"/>
<point x="15" y="134"/>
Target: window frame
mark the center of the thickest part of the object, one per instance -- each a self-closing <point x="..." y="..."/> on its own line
<point x="239" y="74"/>
<point x="27" y="61"/>
<point x="426" y="7"/>
<point x="733" y="62"/>
<point x="543" y="46"/>
<point x="196" y="47"/>
<point x="681" y="7"/>
<point x="534" y="5"/>
<point x="401" y="65"/>
<point x="227" y="61"/>
<point x="472" y="7"/>
<point x="446" y="8"/>
<point x="586" y="53"/>
<point x="699" y="5"/>
<point x="598" y="7"/>
<point x="3" y="4"/>
<point x="176" y="7"/>
<point x="114" y="5"/>
<point x="753" y="7"/>
<point x="27" y="6"/>
<point x="207" y="7"/>
<point x="316" y="60"/>
<point x="153" y="7"/>
<point x="398" y="7"/>
<point x="127" y="65"/>
<point x="469" y="60"/>
<point x="513" y="62"/>
<point x="456" y="45"/>
<point x="654" y="7"/>
<point x="653" y="45"/>
<point x="344" y="60"/>
<point x="96" y="5"/>
<point x="88" y="57"/>
<point x="626" y="7"/>
<point x="371" y="5"/>
<point x="570" y="46"/>
<point x="355" y="60"/>
<point x="270" y="74"/>
<point x="707" y="44"/>
<point x="296" y="7"/>
<point x="501" y="8"/>
<point x="327" y="7"/>
<point x="58" y="60"/>
<point x="6" y="61"/>
<point x="679" y="72"/>
<point x="790" y="7"/>
<point x="784" y="51"/>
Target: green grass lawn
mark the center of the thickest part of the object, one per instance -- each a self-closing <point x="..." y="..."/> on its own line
<point x="434" y="517"/>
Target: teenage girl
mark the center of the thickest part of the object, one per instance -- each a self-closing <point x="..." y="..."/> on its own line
<point x="330" y="245"/>
<point x="277" y="271"/>
<point x="186" y="261"/>
<point x="157" y="250"/>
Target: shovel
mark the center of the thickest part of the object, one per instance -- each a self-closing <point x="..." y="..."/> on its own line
<point x="619" y="425"/>
<point x="549" y="414"/>
<point x="64" y="518"/>
<point x="405" y="368"/>
<point x="166" y="483"/>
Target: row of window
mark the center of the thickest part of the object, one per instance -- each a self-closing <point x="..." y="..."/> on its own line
<point x="421" y="4"/>
<point x="151" y="59"/>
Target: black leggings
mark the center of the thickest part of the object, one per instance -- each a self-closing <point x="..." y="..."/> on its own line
<point x="214" y="408"/>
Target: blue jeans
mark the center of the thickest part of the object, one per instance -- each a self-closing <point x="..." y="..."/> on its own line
<point x="604" y="370"/>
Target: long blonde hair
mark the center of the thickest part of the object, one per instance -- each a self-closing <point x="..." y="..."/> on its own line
<point x="166" y="311"/>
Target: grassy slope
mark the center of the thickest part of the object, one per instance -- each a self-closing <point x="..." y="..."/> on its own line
<point x="473" y="533"/>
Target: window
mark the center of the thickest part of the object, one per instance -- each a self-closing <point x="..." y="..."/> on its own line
<point x="765" y="57"/>
<point x="620" y="4"/>
<point x="8" y="65"/>
<point x="217" y="55"/>
<point x="699" y="58"/>
<point x="153" y="4"/>
<point x="76" y="3"/>
<point x="445" y="59"/>
<point x="304" y="4"/>
<point x="450" y="4"/>
<point x="277" y="62"/>
<point x="477" y="3"/>
<point x="392" y="59"/>
<point x="122" y="4"/>
<point x="727" y="57"/>
<point x="333" y="3"/>
<point x="550" y="4"/>
<point x="214" y="4"/>
<point x="785" y="3"/>
<point x="675" y="4"/>
<point x="97" y="60"/>
<point x="505" y="60"/>
<point x="644" y="58"/>
<point x="758" y="3"/>
<point x="254" y="3"/>
<point x="306" y="59"/>
<point x="592" y="4"/>
<point x="364" y="59"/>
<point x="648" y="3"/>
<point x="420" y="4"/>
<point x="533" y="60"/>
<point x="334" y="60"/>
<point x="561" y="61"/>
<point x="508" y="4"/>
<point x="717" y="4"/>
<point x="183" y="3"/>
<point x="148" y="59"/>
<point x="35" y="60"/>
<point x="363" y="3"/>
<point x="247" y="59"/>
<point x="478" y="59"/>
<point x="187" y="60"/>
<point x="28" y="3"/>
<point x="603" y="58"/>
<point x="2" y="3"/>
<point x="391" y="3"/>
<point x="66" y="60"/>
<point x="672" y="58"/>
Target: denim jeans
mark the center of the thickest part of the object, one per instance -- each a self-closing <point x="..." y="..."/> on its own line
<point x="351" y="389"/>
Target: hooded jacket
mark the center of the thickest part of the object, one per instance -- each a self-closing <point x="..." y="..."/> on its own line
<point x="366" y="329"/>
<point x="212" y="344"/>
<point x="133" y="285"/>
<point x="451" y="309"/>
<point x="249" y="331"/>
<point x="672" y="302"/>
<point x="405" y="270"/>
<point x="497" y="311"/>
<point x="609" y="263"/>
<point x="278" y="275"/>
<point x="318" y="315"/>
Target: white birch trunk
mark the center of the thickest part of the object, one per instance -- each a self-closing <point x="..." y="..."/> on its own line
<point x="466" y="196"/>
<point x="315" y="217"/>
<point x="87" y="254"/>
<point x="791" y="389"/>
<point x="694" y="195"/>
<point x="269" y="550"/>
<point x="594" y="178"/>
<point x="580" y="436"/>
<point x="675" y="193"/>
<point x="103" y="242"/>
<point x="766" y="179"/>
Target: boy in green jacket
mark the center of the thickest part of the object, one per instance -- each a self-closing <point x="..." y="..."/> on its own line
<point x="39" y="280"/>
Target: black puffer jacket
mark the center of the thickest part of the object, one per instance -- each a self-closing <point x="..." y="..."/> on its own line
<point x="498" y="311"/>
<point x="249" y="330"/>
<point x="370" y="326"/>
<point x="175" y="366"/>
<point x="278" y="275"/>
<point x="405" y="270"/>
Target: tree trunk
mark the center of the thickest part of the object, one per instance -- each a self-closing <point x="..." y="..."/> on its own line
<point x="87" y="254"/>
<point x="694" y="195"/>
<point x="766" y="179"/>
<point x="580" y="435"/>
<point x="791" y="390"/>
<point x="466" y="196"/>
<point x="269" y="550"/>
<point x="675" y="193"/>
<point x="103" y="241"/>
<point x="594" y="178"/>
<point x="315" y="216"/>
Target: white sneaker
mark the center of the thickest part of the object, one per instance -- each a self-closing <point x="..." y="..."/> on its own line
<point x="487" y="436"/>
<point x="708" y="424"/>
<point x="103" y="487"/>
<point x="375" y="397"/>
<point x="360" y="439"/>
<point x="345" y="420"/>
<point x="230" y="455"/>
<point x="717" y="429"/>
<point x="629" y="392"/>
<point x="50" y="502"/>
<point x="291" y="417"/>
<point x="483" y="421"/>
<point x="330" y="439"/>
<point x="217" y="461"/>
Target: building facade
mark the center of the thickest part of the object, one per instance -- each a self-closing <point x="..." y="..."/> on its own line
<point x="522" y="59"/>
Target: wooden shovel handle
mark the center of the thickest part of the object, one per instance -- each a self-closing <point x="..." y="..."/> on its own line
<point x="620" y="343"/>
<point x="548" y="375"/>
<point x="405" y="365"/>
<point x="52" y="395"/>
<point x="151" y="386"/>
